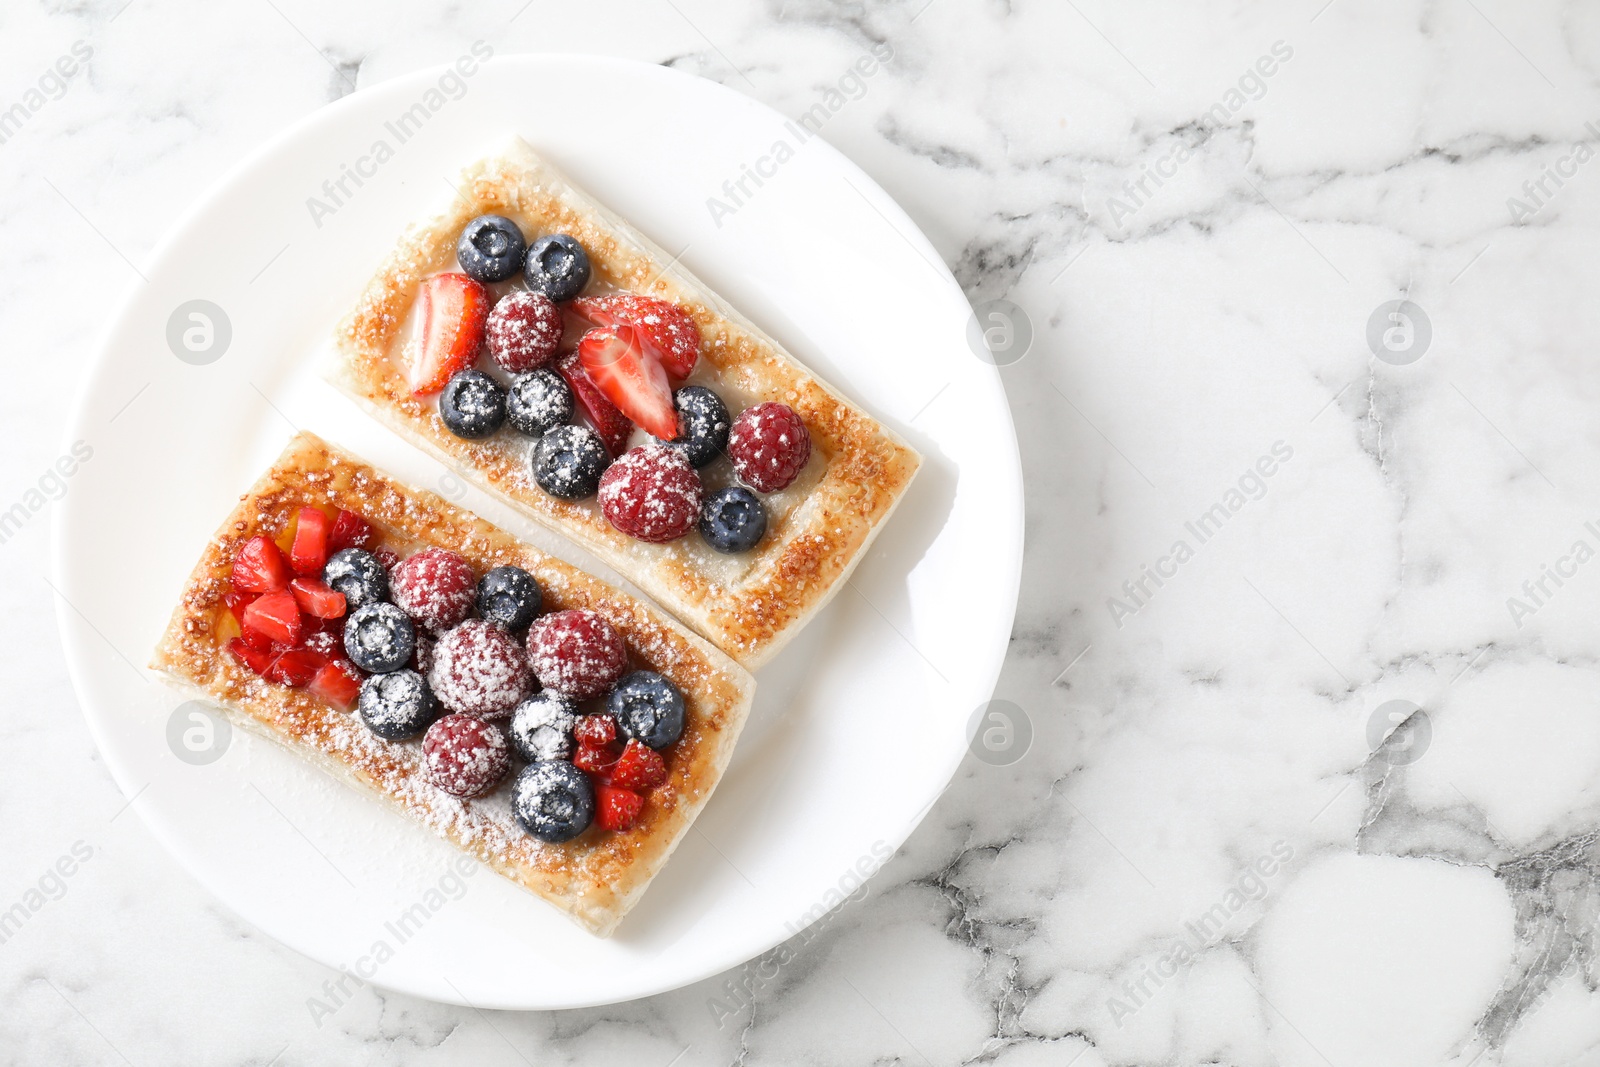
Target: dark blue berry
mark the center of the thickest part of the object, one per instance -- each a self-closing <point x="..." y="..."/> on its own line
<point x="509" y="597"/>
<point x="472" y="405"/>
<point x="358" y="575"/>
<point x="648" y="708"/>
<point x="568" y="462"/>
<point x="379" y="638"/>
<point x="538" y="402"/>
<point x="553" y="800"/>
<point x="397" y="705"/>
<point x="491" y="249"/>
<point x="732" y="519"/>
<point x="557" y="266"/>
<point x="704" y="422"/>
<point x="542" y="725"/>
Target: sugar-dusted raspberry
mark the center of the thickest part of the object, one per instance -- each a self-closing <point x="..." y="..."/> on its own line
<point x="435" y="587"/>
<point x="523" y="331"/>
<point x="479" y="669"/>
<point x="651" y="493"/>
<point x="769" y="446"/>
<point x="465" y="757"/>
<point x="577" y="653"/>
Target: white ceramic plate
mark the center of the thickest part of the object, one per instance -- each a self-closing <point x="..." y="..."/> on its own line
<point x="858" y="725"/>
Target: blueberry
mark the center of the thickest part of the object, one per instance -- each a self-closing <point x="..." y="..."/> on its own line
<point x="732" y="519"/>
<point x="397" y="705"/>
<point x="553" y="800"/>
<point x="538" y="402"/>
<point x="379" y="638"/>
<point x="490" y="249"/>
<point x="568" y="462"/>
<point x="557" y="266"/>
<point x="647" y="707"/>
<point x="358" y="575"/>
<point x="704" y="418"/>
<point x="472" y="405"/>
<point x="509" y="597"/>
<point x="542" y="725"/>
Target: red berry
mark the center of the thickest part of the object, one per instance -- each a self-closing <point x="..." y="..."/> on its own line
<point x="639" y="768"/>
<point x="310" y="548"/>
<point x="595" y="759"/>
<point x="479" y="669"/>
<point x="295" y="667"/>
<point x="464" y="756"/>
<point x="616" y="809"/>
<point x="257" y="659"/>
<point x="316" y="599"/>
<point x="596" y="731"/>
<point x="665" y="326"/>
<point x="422" y="653"/>
<point x="328" y="643"/>
<point x="450" y="314"/>
<point x="523" y="331"/>
<point x="577" y="653"/>
<point x="349" y="531"/>
<point x="256" y="641"/>
<point x="651" y="493"/>
<point x="339" y="684"/>
<point x="259" y="567"/>
<point x="768" y="445"/>
<point x="436" y="587"/>
<point x="386" y="557"/>
<point x="276" y="616"/>
<point x="237" y="601"/>
<point x="612" y="425"/>
<point x="631" y="377"/>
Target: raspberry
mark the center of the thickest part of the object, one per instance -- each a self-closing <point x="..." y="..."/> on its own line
<point x="435" y="587"/>
<point x="464" y="756"/>
<point x="523" y="331"/>
<point x="651" y="493"/>
<point x="768" y="445"/>
<point x="478" y="669"/>
<point x="577" y="653"/>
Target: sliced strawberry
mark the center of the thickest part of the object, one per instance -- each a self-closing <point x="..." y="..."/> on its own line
<point x="259" y="567"/>
<point x="612" y="425"/>
<point x="631" y="377"/>
<point x="451" y="311"/>
<point x="316" y="599"/>
<point x="257" y="641"/>
<point x="310" y="549"/>
<point x="257" y="659"/>
<point x="350" y="531"/>
<point x="594" y="759"/>
<point x="616" y="809"/>
<point x="274" y="615"/>
<point x="639" y="768"/>
<point x="665" y="327"/>
<point x="338" y="684"/>
<point x="237" y="601"/>
<point x="296" y="667"/>
<point x="596" y="731"/>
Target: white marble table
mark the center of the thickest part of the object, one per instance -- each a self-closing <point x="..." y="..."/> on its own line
<point x="1267" y="523"/>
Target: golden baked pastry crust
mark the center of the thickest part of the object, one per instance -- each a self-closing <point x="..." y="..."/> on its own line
<point x="596" y="877"/>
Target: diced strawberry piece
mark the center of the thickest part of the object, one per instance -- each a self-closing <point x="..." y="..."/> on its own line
<point x="337" y="683"/>
<point x="612" y="425"/>
<point x="310" y="549"/>
<point x="632" y="378"/>
<point x="665" y="327"/>
<point x="594" y="759"/>
<point x="275" y="615"/>
<point x="349" y="531"/>
<point x="256" y="641"/>
<point x="257" y="659"/>
<point x="451" y="311"/>
<point x="316" y="599"/>
<point x="237" y="601"/>
<point x="326" y="642"/>
<point x="616" y="809"/>
<point x="639" y="768"/>
<point x="296" y="667"/>
<point x="596" y="731"/>
<point x="259" y="567"/>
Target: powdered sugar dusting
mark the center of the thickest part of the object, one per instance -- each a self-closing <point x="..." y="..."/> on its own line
<point x="479" y="669"/>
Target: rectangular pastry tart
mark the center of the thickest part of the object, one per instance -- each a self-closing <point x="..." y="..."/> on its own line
<point x="555" y="728"/>
<point x="556" y="357"/>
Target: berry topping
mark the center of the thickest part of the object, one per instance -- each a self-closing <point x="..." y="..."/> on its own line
<point x="451" y="309"/>
<point x="703" y="423"/>
<point x="310" y="548"/>
<point x="733" y="519"/>
<point x="596" y="731"/>
<point x="523" y="331"/>
<point x="666" y="327"/>
<point x="596" y="759"/>
<point x="435" y="586"/>
<point x="379" y="638"/>
<point x="509" y="597"/>
<point x="651" y="493"/>
<point x="422" y="655"/>
<point x="259" y="567"/>
<point x="768" y="445"/>
<point x="639" y="768"/>
<point x="630" y="376"/>
<point x="616" y="809"/>
<point x="387" y="558"/>
<point x="237" y="601"/>
<point x="541" y="727"/>
<point x="275" y="616"/>
<point x="479" y="669"/>
<point x="316" y="599"/>
<point x="553" y="800"/>
<point x="472" y="405"/>
<point x="397" y="705"/>
<point x="338" y="684"/>
<point x="568" y="462"/>
<point x="359" y="575"/>
<point x="326" y="643"/>
<point x="257" y="659"/>
<point x="577" y="653"/>
<point x="490" y="249"/>
<point x="295" y="667"/>
<point x="465" y="757"/>
<point x="556" y="266"/>
<point x="648" y="708"/>
<point x="350" y="531"/>
<point x="539" y="402"/>
<point x="612" y="425"/>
